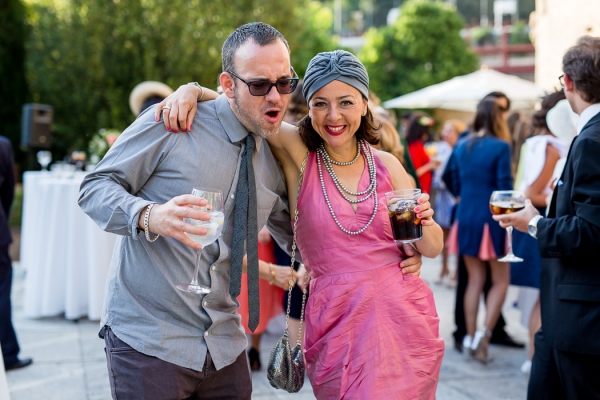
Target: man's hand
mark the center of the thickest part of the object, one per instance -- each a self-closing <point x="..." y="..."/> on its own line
<point x="412" y="263"/>
<point x="518" y="220"/>
<point x="180" y="108"/>
<point x="167" y="219"/>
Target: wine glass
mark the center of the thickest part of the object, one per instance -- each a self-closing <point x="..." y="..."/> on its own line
<point x="506" y="202"/>
<point x="214" y="227"/>
<point x="44" y="157"/>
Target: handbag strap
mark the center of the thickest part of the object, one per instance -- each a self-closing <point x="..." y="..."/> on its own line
<point x="293" y="260"/>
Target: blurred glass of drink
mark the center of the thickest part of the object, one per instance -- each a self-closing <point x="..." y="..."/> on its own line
<point x="403" y="218"/>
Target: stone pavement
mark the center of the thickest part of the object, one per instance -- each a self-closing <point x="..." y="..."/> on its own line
<point x="69" y="361"/>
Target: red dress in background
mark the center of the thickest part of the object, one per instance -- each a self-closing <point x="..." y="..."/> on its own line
<point x="270" y="295"/>
<point x="419" y="158"/>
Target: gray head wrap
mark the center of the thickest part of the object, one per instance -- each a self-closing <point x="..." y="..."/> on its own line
<point x="337" y="65"/>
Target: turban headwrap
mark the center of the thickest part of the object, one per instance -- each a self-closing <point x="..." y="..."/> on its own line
<point x="337" y="65"/>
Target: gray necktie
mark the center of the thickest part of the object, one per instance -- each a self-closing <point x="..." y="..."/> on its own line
<point x="245" y="229"/>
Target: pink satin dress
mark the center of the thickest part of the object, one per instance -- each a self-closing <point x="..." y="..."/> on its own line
<point x="371" y="333"/>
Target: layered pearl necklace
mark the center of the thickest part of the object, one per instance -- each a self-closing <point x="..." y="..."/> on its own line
<point x="371" y="191"/>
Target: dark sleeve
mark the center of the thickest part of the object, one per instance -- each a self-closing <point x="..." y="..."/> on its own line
<point x="450" y="175"/>
<point x="504" y="169"/>
<point x="577" y="234"/>
<point x="7" y="177"/>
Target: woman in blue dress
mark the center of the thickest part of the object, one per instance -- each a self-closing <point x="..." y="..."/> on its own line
<point x="483" y="165"/>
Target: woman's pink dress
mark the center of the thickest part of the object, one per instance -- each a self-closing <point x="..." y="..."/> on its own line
<point x="371" y="333"/>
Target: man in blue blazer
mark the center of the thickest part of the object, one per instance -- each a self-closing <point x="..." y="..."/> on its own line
<point x="566" y="363"/>
<point x="8" y="339"/>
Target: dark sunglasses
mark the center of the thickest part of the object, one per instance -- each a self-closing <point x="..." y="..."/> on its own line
<point x="262" y="87"/>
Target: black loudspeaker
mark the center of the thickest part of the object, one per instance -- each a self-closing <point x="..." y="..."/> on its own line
<point x="35" y="127"/>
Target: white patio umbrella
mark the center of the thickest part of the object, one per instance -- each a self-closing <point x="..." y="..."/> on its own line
<point x="462" y="93"/>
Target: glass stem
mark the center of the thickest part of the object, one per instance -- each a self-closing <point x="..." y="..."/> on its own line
<point x="195" y="277"/>
<point x="509" y="238"/>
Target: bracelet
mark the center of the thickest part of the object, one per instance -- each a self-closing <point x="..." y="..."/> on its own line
<point x="272" y="278"/>
<point x="146" y="228"/>
<point x="201" y="89"/>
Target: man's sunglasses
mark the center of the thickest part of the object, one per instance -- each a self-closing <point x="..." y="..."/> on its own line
<point x="262" y="87"/>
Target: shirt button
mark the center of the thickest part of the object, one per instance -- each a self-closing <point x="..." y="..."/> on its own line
<point x="232" y="196"/>
<point x="206" y="334"/>
<point x="213" y="268"/>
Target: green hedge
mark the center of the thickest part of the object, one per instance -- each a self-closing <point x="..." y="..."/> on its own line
<point x="16" y="211"/>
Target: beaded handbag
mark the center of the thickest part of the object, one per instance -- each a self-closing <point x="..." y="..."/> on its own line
<point x="286" y="367"/>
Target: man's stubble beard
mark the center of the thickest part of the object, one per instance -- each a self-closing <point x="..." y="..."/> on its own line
<point x="250" y="123"/>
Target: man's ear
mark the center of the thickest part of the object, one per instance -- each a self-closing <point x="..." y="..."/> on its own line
<point x="227" y="84"/>
<point x="569" y="85"/>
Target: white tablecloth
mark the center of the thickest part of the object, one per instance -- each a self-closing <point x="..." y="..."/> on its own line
<point x="65" y="255"/>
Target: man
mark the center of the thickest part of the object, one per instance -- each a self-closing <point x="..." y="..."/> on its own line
<point x="499" y="335"/>
<point x="8" y="338"/>
<point x="566" y="363"/>
<point x="161" y="342"/>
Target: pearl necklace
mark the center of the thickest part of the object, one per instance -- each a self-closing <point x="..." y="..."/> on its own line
<point x="322" y="156"/>
<point x="330" y="160"/>
<point x="341" y="188"/>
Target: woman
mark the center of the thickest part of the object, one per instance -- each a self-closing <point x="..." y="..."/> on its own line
<point x="483" y="161"/>
<point x="371" y="333"/>
<point x="540" y="153"/>
<point x="417" y="134"/>
<point x="444" y="200"/>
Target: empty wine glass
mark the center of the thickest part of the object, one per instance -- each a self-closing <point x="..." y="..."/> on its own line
<point x="44" y="157"/>
<point x="506" y="202"/>
<point x="214" y="227"/>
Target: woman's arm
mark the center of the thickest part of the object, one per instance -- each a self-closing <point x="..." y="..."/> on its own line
<point x="536" y="192"/>
<point x="432" y="242"/>
<point x="430" y="166"/>
<point x="181" y="107"/>
<point x="278" y="275"/>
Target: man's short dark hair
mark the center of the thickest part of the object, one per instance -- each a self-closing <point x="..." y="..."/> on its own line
<point x="582" y="64"/>
<point x="498" y="95"/>
<point x="259" y="32"/>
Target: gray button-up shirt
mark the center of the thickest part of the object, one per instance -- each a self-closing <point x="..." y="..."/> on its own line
<point x="147" y="164"/>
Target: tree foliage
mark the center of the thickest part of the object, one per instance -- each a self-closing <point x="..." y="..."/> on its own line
<point x="85" y="56"/>
<point x="13" y="87"/>
<point x="422" y="48"/>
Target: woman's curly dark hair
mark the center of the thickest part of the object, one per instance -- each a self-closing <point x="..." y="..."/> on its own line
<point x="538" y="120"/>
<point x="368" y="131"/>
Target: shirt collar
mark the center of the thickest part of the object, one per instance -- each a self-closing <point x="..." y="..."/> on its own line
<point x="232" y="125"/>
<point x="586" y="115"/>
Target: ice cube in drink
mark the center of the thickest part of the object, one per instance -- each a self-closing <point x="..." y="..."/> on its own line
<point x="214" y="227"/>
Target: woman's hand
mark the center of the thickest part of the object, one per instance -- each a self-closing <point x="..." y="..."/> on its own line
<point x="179" y="108"/>
<point x="303" y="277"/>
<point x="282" y="276"/>
<point x="424" y="210"/>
